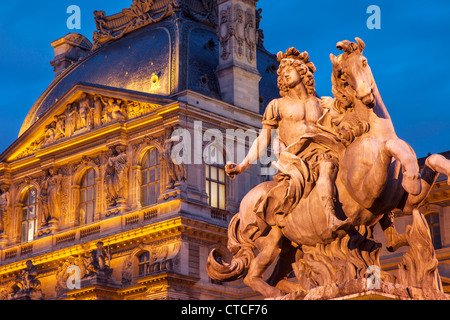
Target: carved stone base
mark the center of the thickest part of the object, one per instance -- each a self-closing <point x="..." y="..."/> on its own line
<point x="119" y="208"/>
<point x="37" y="295"/>
<point x="358" y="289"/>
<point x="50" y="228"/>
<point x="172" y="194"/>
<point x="98" y="279"/>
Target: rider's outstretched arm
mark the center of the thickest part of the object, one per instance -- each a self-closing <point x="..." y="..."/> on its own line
<point x="256" y="151"/>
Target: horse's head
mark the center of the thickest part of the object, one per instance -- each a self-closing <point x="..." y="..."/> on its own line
<point x="352" y="78"/>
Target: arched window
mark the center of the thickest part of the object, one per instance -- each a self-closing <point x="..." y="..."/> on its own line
<point x="215" y="178"/>
<point x="144" y="260"/>
<point x="435" y="229"/>
<point x="29" y="215"/>
<point x="88" y="194"/>
<point x="150" y="178"/>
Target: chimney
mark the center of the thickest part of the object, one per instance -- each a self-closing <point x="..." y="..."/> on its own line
<point x="69" y="49"/>
<point x="237" y="72"/>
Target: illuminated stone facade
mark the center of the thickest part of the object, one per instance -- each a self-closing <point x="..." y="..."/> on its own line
<point x="88" y="192"/>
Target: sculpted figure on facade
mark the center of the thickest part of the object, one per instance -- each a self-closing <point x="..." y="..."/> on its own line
<point x="60" y="131"/>
<point x="50" y="196"/>
<point x="342" y="169"/>
<point x="97" y="262"/>
<point x="116" y="175"/>
<point x="107" y="110"/>
<point x="117" y="111"/>
<point x="86" y="112"/>
<point x="98" y="109"/>
<point x="4" y="205"/>
<point x="26" y="283"/>
<point x="71" y="119"/>
<point x="176" y="172"/>
<point x="50" y="133"/>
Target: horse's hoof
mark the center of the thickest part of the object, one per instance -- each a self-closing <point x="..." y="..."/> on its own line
<point x="411" y="183"/>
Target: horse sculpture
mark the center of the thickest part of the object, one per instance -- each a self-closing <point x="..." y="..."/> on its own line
<point x="378" y="172"/>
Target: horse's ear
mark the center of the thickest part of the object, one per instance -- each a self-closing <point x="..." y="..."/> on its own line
<point x="333" y="59"/>
<point x="340" y="45"/>
<point x="361" y="44"/>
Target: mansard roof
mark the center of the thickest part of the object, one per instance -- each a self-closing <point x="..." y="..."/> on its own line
<point x="157" y="47"/>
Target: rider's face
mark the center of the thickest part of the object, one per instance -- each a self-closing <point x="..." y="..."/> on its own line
<point x="291" y="77"/>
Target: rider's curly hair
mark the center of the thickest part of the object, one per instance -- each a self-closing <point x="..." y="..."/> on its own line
<point x="301" y="63"/>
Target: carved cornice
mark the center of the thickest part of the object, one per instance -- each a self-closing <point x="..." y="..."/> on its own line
<point x="140" y="14"/>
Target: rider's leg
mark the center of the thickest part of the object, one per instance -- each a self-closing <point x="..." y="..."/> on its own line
<point x="401" y="151"/>
<point x="394" y="239"/>
<point x="327" y="193"/>
<point x="284" y="268"/>
<point x="269" y="248"/>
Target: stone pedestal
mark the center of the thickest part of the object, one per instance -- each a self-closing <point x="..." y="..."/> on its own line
<point x="48" y="229"/>
<point x="32" y="295"/>
<point x="99" y="286"/>
<point x="358" y="289"/>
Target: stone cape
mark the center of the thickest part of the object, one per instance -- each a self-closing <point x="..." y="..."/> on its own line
<point x="297" y="166"/>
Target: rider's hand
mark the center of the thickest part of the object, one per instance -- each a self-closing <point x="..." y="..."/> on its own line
<point x="232" y="170"/>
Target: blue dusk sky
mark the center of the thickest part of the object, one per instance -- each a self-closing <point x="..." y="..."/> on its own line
<point x="409" y="54"/>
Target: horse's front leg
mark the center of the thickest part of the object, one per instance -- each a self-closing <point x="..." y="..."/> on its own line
<point x="269" y="248"/>
<point x="435" y="164"/>
<point x="401" y="151"/>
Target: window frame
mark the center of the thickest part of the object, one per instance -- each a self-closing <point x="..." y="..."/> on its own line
<point x="143" y="265"/>
<point x="146" y="183"/>
<point x="25" y="221"/>
<point x="83" y="196"/>
<point x="215" y="179"/>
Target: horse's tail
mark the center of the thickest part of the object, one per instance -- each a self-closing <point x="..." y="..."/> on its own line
<point x="243" y="255"/>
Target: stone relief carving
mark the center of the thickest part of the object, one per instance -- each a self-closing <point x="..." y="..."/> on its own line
<point x="62" y="274"/>
<point x="127" y="270"/>
<point x="26" y="285"/>
<point x="87" y="113"/>
<point x="140" y="13"/>
<point x="162" y="257"/>
<point x="225" y="31"/>
<point x="250" y="36"/>
<point x="239" y="30"/>
<point x="240" y="26"/>
<point x="336" y="180"/>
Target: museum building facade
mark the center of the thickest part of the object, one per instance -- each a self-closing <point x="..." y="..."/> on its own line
<point x="93" y="205"/>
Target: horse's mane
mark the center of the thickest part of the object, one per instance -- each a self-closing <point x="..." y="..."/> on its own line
<point x="348" y="126"/>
